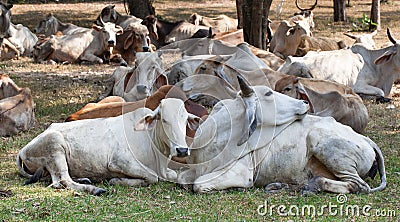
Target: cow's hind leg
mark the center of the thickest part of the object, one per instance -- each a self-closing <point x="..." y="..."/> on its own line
<point x="58" y="169"/>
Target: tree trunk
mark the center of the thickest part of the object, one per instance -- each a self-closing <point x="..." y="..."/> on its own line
<point x="339" y="10"/>
<point x="255" y="21"/>
<point x="375" y="15"/>
<point x="141" y="8"/>
<point x="239" y="10"/>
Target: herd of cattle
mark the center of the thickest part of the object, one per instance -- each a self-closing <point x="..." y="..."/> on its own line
<point x="291" y="115"/>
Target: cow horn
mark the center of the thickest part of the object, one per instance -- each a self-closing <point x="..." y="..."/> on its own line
<point x="350" y="35"/>
<point x="250" y="105"/>
<point x="394" y="41"/>
<point x="304" y="9"/>
<point x="101" y="21"/>
<point x="244" y="87"/>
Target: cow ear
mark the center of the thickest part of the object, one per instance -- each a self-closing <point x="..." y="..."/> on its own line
<point x="290" y="31"/>
<point x="161" y="81"/>
<point x="303" y="95"/>
<point x="385" y="57"/>
<point x="193" y="121"/>
<point x="119" y="30"/>
<point x="128" y="41"/>
<point x="148" y="122"/>
<point x="97" y="28"/>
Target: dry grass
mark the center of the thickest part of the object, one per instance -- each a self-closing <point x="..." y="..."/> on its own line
<point x="62" y="89"/>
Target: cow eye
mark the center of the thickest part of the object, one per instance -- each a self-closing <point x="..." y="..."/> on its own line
<point x="287" y="88"/>
<point x="268" y="93"/>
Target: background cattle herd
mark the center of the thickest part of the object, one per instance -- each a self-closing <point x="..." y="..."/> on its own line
<point x="189" y="102"/>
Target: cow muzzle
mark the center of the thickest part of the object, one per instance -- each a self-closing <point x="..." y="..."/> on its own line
<point x="182" y="152"/>
<point x="146" y="49"/>
<point x="111" y="43"/>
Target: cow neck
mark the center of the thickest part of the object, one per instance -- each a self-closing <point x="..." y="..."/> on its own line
<point x="159" y="149"/>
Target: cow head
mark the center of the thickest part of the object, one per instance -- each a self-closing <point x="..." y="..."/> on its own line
<point x="8" y="88"/>
<point x="268" y="108"/>
<point x="48" y="25"/>
<point x="150" y="22"/>
<point x="108" y="32"/>
<point x="364" y="39"/>
<point x="170" y="119"/>
<point x="5" y="20"/>
<point x="146" y="77"/>
<point x="196" y="19"/>
<point x="136" y="37"/>
<point x="307" y="13"/>
<point x="393" y="54"/>
<point x="291" y="86"/>
<point x="107" y="14"/>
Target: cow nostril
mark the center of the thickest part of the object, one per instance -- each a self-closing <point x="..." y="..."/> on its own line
<point x="305" y="101"/>
<point x="111" y="42"/>
<point x="145" y="49"/>
<point x="182" y="152"/>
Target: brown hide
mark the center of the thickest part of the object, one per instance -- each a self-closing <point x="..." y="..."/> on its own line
<point x="16" y="113"/>
<point x="308" y="43"/>
<point x="8" y="87"/>
<point x="104" y="109"/>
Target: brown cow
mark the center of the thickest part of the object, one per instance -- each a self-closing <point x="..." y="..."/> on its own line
<point x="309" y="43"/>
<point x="16" y="107"/>
<point x="327" y="98"/>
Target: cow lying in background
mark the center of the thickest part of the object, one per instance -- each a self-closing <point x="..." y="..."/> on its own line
<point x="134" y="39"/>
<point x="308" y="43"/>
<point x="109" y="14"/>
<point x="139" y="82"/>
<point x="50" y="25"/>
<point x="364" y="39"/>
<point x="287" y="38"/>
<point x="85" y="46"/>
<point x="327" y="98"/>
<point x="221" y="23"/>
<point x="263" y="138"/>
<point x="135" y="148"/>
<point x="16" y="107"/>
<point x="368" y="72"/>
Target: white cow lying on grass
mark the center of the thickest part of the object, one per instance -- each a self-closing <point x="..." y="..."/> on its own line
<point x="132" y="149"/>
<point x="263" y="138"/>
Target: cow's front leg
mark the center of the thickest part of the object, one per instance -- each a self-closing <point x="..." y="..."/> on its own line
<point x="238" y="175"/>
<point x="136" y="174"/>
<point x="92" y="58"/>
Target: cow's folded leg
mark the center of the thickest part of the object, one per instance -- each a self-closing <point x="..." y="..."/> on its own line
<point x="58" y="168"/>
<point x="83" y="180"/>
<point x="129" y="182"/>
<point x="275" y="187"/>
<point x="318" y="183"/>
<point x="240" y="175"/>
<point x="137" y="171"/>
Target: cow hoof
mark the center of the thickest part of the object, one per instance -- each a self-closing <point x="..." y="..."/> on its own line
<point x="305" y="193"/>
<point x="382" y="99"/>
<point x="99" y="191"/>
<point x="83" y="180"/>
<point x="275" y="187"/>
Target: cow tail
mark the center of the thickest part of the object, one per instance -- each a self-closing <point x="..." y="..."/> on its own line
<point x="21" y="168"/>
<point x="32" y="178"/>
<point x="381" y="168"/>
